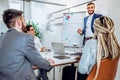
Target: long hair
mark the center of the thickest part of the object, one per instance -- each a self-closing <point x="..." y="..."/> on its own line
<point x="107" y="46"/>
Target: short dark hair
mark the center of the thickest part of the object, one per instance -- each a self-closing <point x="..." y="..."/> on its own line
<point x="90" y="3"/>
<point x="28" y="27"/>
<point x="10" y="15"/>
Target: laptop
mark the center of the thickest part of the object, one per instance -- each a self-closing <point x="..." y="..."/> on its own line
<point x="58" y="48"/>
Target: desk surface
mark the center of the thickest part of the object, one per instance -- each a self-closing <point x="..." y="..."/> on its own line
<point x="59" y="62"/>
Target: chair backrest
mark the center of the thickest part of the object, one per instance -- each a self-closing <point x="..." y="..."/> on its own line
<point x="107" y="71"/>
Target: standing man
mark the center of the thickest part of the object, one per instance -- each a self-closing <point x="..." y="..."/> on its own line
<point x="88" y="29"/>
<point x="17" y="50"/>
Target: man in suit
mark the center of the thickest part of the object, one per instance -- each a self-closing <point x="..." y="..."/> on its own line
<point x="88" y="29"/>
<point x="17" y="50"/>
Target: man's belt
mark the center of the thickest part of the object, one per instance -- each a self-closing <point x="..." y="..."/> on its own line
<point x="87" y="38"/>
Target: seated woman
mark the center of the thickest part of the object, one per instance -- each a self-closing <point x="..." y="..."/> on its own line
<point x="103" y="45"/>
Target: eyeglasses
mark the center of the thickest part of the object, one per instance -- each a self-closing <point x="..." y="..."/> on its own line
<point x="31" y="29"/>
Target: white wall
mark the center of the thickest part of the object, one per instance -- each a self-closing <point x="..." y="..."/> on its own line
<point x="27" y="11"/>
<point x="3" y="5"/>
<point x="110" y="8"/>
<point x="38" y="14"/>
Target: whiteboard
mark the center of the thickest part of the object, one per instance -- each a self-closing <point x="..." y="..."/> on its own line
<point x="71" y="23"/>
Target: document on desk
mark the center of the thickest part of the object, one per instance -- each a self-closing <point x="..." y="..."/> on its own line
<point x="69" y="52"/>
<point x="61" y="57"/>
<point x="69" y="59"/>
<point x="73" y="53"/>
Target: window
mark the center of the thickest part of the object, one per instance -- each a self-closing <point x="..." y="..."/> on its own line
<point x="16" y="5"/>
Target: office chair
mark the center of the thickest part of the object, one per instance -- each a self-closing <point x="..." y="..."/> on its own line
<point x="107" y="71"/>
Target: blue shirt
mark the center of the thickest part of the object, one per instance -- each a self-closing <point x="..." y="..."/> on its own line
<point x="88" y="58"/>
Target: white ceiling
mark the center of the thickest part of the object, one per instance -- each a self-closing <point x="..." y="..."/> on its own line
<point x="58" y="2"/>
<point x="54" y="2"/>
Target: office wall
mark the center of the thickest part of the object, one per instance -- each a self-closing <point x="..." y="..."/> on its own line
<point x="111" y="8"/>
<point x="39" y="13"/>
<point x="27" y="10"/>
<point x="3" y="5"/>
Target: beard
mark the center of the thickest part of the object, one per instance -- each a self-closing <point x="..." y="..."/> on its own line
<point x="24" y="28"/>
<point x="90" y="12"/>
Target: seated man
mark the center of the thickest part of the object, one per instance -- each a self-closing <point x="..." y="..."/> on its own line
<point x="105" y="46"/>
<point x="38" y="45"/>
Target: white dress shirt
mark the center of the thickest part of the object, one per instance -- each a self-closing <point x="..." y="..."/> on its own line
<point x="89" y="32"/>
<point x="37" y="42"/>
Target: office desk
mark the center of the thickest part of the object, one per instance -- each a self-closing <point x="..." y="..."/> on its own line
<point x="58" y="62"/>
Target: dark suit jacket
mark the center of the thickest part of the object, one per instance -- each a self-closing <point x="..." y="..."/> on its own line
<point x="17" y="55"/>
<point x="92" y="23"/>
